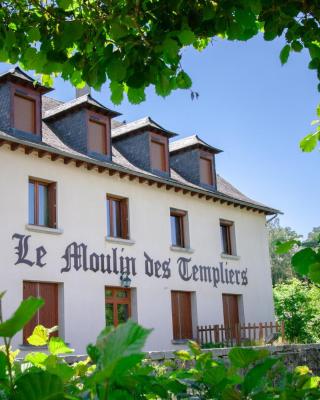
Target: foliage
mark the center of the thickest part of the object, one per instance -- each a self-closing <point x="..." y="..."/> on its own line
<point x="115" y="370"/>
<point x="297" y="303"/>
<point x="281" y="262"/>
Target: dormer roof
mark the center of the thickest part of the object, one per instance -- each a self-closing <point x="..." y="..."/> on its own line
<point x="85" y="101"/>
<point x="18" y="76"/>
<point x="191" y="142"/>
<point x="140" y="125"/>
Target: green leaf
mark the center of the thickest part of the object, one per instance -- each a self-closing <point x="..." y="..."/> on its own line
<point x="136" y="96"/>
<point x="302" y="260"/>
<point x="3" y="366"/>
<point x="318" y="111"/>
<point x="21" y="317"/>
<point x="57" y="346"/>
<point x="116" y="69"/>
<point x="309" y="142"/>
<point x="242" y="358"/>
<point x="171" y="48"/>
<point x="314" y="272"/>
<point x="183" y="80"/>
<point x="296" y="46"/>
<point x="285" y="247"/>
<point x="284" y="54"/>
<point x="116" y="92"/>
<point x="186" y="37"/>
<point x="183" y="355"/>
<point x="39" y="337"/>
<point x="254" y="377"/>
<point x="38" y="386"/>
<point x="312" y="383"/>
<point x="36" y="358"/>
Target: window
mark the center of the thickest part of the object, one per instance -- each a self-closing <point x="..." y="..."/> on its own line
<point x="97" y="137"/>
<point x="117" y="217"/>
<point x="47" y="315"/>
<point x="118" y="305"/>
<point x="231" y="313"/>
<point x="42" y="203"/>
<point x="24" y="113"/>
<point x="178" y="221"/>
<point x="159" y="156"/>
<point x="227" y="237"/>
<point x="181" y="315"/>
<point x="206" y="173"/>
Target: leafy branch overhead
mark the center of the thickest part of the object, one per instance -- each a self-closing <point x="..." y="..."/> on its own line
<point x="136" y="44"/>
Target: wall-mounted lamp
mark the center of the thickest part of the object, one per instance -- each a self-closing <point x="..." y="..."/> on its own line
<point x="125" y="280"/>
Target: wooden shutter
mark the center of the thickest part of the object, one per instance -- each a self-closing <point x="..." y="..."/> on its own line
<point x="97" y="137"/>
<point x="52" y="204"/>
<point x="30" y="289"/>
<point x="124" y="218"/>
<point x="181" y="315"/>
<point x="231" y="312"/>
<point x="48" y="314"/>
<point x="24" y="114"/>
<point x="158" y="159"/>
<point x="206" y="171"/>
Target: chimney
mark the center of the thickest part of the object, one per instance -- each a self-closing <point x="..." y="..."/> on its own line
<point x="85" y="90"/>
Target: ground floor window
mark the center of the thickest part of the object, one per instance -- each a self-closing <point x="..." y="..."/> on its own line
<point x="231" y="312"/>
<point x="118" y="305"/>
<point x="181" y="315"/>
<point x="48" y="315"/>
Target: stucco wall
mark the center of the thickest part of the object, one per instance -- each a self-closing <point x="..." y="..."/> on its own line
<point x="82" y="216"/>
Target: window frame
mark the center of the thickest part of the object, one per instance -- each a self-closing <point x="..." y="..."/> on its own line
<point x="114" y="300"/>
<point x="182" y="215"/>
<point x="162" y="140"/>
<point x="124" y="217"/>
<point x="203" y="155"/>
<point x="29" y="94"/>
<point x="51" y="202"/>
<point x="100" y="119"/>
<point x="230" y="243"/>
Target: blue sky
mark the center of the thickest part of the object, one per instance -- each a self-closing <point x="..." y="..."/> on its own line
<point x="252" y="108"/>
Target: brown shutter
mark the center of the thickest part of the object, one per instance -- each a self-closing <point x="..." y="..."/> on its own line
<point x="52" y="204"/>
<point x="181" y="315"/>
<point x="48" y="314"/>
<point x="97" y="137"/>
<point x="231" y="312"/>
<point x="206" y="171"/>
<point x="124" y="218"/>
<point x="30" y="289"/>
<point x="175" y="315"/>
<point x="24" y="114"/>
<point x="158" y="159"/>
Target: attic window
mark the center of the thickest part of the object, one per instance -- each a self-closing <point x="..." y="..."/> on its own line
<point x="24" y="113"/>
<point x="159" y="150"/>
<point x="206" y="170"/>
<point x="97" y="137"/>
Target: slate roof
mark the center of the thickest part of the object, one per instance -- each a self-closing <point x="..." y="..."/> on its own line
<point x="51" y="142"/>
<point x="135" y="126"/>
<point x="85" y="100"/>
<point x="17" y="74"/>
<point x="191" y="142"/>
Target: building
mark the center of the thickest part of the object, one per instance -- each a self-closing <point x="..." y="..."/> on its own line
<point x="89" y="204"/>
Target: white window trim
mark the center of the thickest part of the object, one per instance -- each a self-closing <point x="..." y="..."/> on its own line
<point x="44" y="229"/>
<point x="128" y="242"/>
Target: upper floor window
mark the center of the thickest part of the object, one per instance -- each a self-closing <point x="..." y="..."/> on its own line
<point x="159" y="153"/>
<point x="117" y="217"/>
<point x="97" y="136"/>
<point x="42" y="203"/>
<point x="206" y="170"/>
<point x="24" y="113"/>
<point x="227" y="237"/>
<point x="178" y="222"/>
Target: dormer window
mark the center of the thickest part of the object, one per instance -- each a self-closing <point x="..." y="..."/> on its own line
<point x="24" y="113"/>
<point x="159" y="153"/>
<point x="206" y="170"/>
<point x="97" y="137"/>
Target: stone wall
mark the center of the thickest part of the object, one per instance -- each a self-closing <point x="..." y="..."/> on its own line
<point x="293" y="355"/>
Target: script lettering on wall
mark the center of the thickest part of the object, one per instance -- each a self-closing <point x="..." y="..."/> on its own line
<point x="77" y="258"/>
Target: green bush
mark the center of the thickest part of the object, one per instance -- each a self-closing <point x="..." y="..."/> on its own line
<point x="116" y="369"/>
<point x="297" y="303"/>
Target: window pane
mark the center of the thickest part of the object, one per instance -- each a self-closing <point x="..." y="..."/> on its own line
<point x="108" y="218"/>
<point x="108" y="293"/>
<point x="225" y="239"/>
<point x="123" y="312"/>
<point x="31" y="203"/>
<point x="109" y="315"/>
<point x="116" y="218"/>
<point x="43" y="216"/>
<point x="97" y="137"/>
<point x="122" y="294"/>
<point x="176" y="233"/>
<point x="24" y="114"/>
<point x="158" y="156"/>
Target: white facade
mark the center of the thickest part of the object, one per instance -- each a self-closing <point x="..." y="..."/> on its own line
<point x="81" y="218"/>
